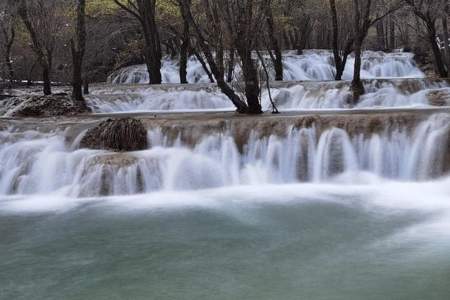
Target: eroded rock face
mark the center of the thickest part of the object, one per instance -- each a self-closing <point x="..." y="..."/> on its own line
<point x="41" y="106"/>
<point x="119" y="135"/>
<point x="439" y="97"/>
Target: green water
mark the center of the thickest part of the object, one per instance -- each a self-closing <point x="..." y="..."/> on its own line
<point x="341" y="248"/>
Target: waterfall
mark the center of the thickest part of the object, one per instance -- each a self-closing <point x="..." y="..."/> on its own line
<point x="34" y="162"/>
<point x="169" y="73"/>
<point x="157" y="100"/>
<point x="292" y="96"/>
<point x="311" y="65"/>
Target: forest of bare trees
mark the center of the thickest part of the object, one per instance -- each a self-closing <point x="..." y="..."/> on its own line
<point x="82" y="41"/>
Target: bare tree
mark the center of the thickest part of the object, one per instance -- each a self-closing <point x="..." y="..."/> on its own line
<point x="78" y="48"/>
<point x="184" y="52"/>
<point x="238" y="22"/>
<point x="242" y="19"/>
<point x="276" y="56"/>
<point x="145" y="12"/>
<point x="365" y="15"/>
<point x="446" y="36"/>
<point x="298" y="18"/>
<point x="185" y="6"/>
<point x="7" y="36"/>
<point x="42" y="23"/>
<point x="429" y="12"/>
<point x="341" y="50"/>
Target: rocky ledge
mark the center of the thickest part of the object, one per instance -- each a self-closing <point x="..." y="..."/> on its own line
<point x="41" y="106"/>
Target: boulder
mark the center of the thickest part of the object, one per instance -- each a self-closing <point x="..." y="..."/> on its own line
<point x="42" y="106"/>
<point x="119" y="135"/>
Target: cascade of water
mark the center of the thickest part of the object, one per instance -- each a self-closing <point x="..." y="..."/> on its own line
<point x="302" y="154"/>
<point x="301" y="96"/>
<point x="159" y="100"/>
<point x="169" y="73"/>
<point x="311" y="65"/>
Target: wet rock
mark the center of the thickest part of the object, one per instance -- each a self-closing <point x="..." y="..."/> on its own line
<point x="119" y="160"/>
<point x="117" y="135"/>
<point x="439" y="98"/>
<point x="5" y="97"/>
<point x="9" y="104"/>
<point x="41" y="106"/>
<point x="424" y="60"/>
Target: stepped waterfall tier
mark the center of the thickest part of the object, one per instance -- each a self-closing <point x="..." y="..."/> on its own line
<point x="311" y="65"/>
<point x="191" y="155"/>
<point x="288" y="96"/>
<point x="327" y="200"/>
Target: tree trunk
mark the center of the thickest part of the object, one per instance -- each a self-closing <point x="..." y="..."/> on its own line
<point x="86" y="86"/>
<point x="446" y="42"/>
<point x="184" y="49"/>
<point x="152" y="52"/>
<point x="44" y="55"/>
<point x="357" y="85"/>
<point x="30" y="74"/>
<point x="438" y="59"/>
<point x="153" y="67"/>
<point x="9" y="66"/>
<point x="335" y="41"/>
<point x="278" y="64"/>
<point x="78" y="47"/>
<point x="230" y="66"/>
<point x="275" y="46"/>
<point x="392" y="44"/>
<point x="204" y="66"/>
<point x="380" y="36"/>
<point x="77" y="82"/>
<point x="252" y="89"/>
<point x="8" y="62"/>
<point x="47" y="82"/>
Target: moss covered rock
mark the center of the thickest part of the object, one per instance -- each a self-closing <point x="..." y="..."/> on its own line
<point x="119" y="135"/>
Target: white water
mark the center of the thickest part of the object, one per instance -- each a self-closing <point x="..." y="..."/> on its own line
<point x="34" y="163"/>
<point x="297" y="97"/>
<point x="312" y="65"/>
<point x="155" y="100"/>
<point x="169" y="73"/>
<point x="314" y="213"/>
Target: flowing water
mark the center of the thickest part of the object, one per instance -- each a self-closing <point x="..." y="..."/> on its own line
<point x="288" y="96"/>
<point x="317" y="213"/>
<point x="330" y="204"/>
<point x="311" y="65"/>
<point x="308" y="86"/>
